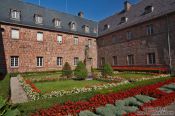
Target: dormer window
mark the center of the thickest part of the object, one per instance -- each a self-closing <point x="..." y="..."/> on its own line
<point x="72" y="25"/>
<point x="15" y="15"/>
<point x="86" y="29"/>
<point x="149" y="9"/>
<point x="38" y="19"/>
<point x="124" y="20"/>
<point x="95" y="30"/>
<point x="106" y="26"/>
<point x="57" y="23"/>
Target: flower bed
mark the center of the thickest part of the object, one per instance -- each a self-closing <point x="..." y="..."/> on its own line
<point x="101" y="100"/>
<point x="34" y="93"/>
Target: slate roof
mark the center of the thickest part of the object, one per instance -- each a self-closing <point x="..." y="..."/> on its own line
<point x="27" y="17"/>
<point x="136" y="15"/>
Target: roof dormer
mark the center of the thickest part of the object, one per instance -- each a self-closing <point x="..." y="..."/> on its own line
<point x="148" y="9"/>
<point x="123" y="20"/>
<point x="106" y="26"/>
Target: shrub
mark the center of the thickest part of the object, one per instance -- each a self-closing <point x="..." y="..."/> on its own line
<point x="144" y="98"/>
<point x="80" y="71"/>
<point x="108" y="110"/>
<point x="67" y="71"/>
<point x="8" y="110"/>
<point x="87" y="113"/>
<point x="173" y="71"/>
<point x="107" y="70"/>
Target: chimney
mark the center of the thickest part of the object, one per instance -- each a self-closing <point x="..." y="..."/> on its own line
<point x="127" y="6"/>
<point x="81" y="14"/>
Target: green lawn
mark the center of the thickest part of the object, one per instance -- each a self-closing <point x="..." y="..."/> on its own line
<point x="128" y="75"/>
<point x="5" y="87"/>
<point x="65" y="85"/>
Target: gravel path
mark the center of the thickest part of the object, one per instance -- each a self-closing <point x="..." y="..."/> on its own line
<point x="18" y="95"/>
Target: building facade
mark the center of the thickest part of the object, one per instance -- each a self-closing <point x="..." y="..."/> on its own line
<point x="34" y="38"/>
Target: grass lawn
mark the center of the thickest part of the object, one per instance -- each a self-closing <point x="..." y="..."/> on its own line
<point x="65" y="85"/>
<point x="128" y="75"/>
<point x="29" y="107"/>
<point x="5" y="87"/>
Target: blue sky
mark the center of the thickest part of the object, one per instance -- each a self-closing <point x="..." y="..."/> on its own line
<point x="93" y="9"/>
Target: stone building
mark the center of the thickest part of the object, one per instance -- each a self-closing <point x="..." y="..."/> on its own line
<point x="33" y="38"/>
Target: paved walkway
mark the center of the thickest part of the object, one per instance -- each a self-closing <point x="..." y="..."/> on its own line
<point x="18" y="95"/>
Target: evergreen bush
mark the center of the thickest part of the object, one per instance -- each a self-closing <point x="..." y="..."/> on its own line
<point x="67" y="71"/>
<point x="87" y="113"/>
<point x="144" y="98"/>
<point x="107" y="70"/>
<point x="81" y="72"/>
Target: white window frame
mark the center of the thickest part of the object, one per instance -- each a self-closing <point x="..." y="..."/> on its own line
<point x="57" y="23"/>
<point x="15" y="33"/>
<point x="60" y="39"/>
<point x="60" y="61"/>
<point x="38" y="19"/>
<point x="89" y="42"/>
<point x="76" y="60"/>
<point x="14" y="61"/>
<point x="40" y="36"/>
<point x="86" y="29"/>
<point x="16" y="15"/>
<point x="39" y="61"/>
<point x="76" y="40"/>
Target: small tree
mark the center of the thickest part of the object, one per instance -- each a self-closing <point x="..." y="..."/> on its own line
<point x="67" y="71"/>
<point x="80" y="71"/>
<point x="107" y="70"/>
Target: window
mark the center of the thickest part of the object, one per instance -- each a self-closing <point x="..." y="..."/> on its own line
<point x="86" y="29"/>
<point x="90" y="61"/>
<point x="150" y="29"/>
<point x="151" y="58"/>
<point x="129" y="35"/>
<point x="57" y="23"/>
<point x="114" y="39"/>
<point x="76" y="60"/>
<point x="39" y="61"/>
<point x="15" y="33"/>
<point x="95" y="30"/>
<point x="39" y="36"/>
<point x="75" y="40"/>
<point x="38" y="19"/>
<point x="102" y="61"/>
<point x="124" y="19"/>
<point x="130" y="59"/>
<point x="106" y="26"/>
<point x="72" y="26"/>
<point x="15" y="15"/>
<point x="59" y="39"/>
<point x="115" y="60"/>
<point x="59" y="61"/>
<point x="149" y="9"/>
<point x="89" y="42"/>
<point x="14" y="61"/>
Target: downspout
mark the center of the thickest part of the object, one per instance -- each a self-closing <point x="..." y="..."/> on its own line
<point x="169" y="44"/>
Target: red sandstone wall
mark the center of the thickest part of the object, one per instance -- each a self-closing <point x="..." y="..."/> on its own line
<point x="140" y="44"/>
<point x="28" y="48"/>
